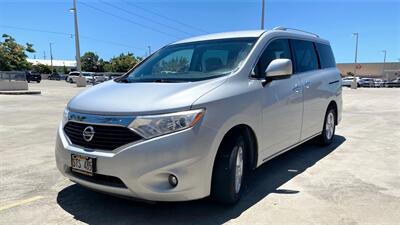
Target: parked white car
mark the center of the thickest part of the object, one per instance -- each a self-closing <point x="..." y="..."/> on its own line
<point x="379" y="83"/>
<point x="347" y="81"/>
<point x="73" y="76"/>
<point x="367" y="82"/>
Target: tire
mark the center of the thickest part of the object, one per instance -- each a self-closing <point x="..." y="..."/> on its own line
<point x="329" y="127"/>
<point x="38" y="81"/>
<point x="226" y="187"/>
<point x="70" y="81"/>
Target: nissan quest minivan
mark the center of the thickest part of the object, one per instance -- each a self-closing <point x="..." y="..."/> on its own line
<point x="195" y="117"/>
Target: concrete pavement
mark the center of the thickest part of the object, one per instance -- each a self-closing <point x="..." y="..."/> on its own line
<point x="356" y="180"/>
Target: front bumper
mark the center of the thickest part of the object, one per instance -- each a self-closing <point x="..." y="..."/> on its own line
<point x="144" y="166"/>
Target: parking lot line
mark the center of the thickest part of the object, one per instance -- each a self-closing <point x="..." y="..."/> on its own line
<point x="20" y="202"/>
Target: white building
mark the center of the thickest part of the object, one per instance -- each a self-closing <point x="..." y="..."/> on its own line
<point x="56" y="63"/>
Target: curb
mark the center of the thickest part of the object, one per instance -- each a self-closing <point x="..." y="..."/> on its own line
<point x="20" y="92"/>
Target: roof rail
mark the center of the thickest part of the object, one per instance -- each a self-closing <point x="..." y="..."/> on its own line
<point x="286" y="29"/>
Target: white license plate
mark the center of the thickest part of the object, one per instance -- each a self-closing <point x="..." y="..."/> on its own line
<point x="83" y="164"/>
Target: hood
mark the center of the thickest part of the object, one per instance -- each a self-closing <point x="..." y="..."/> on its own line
<point x="113" y="98"/>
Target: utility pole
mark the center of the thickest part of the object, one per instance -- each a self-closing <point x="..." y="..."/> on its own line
<point x="262" y="14"/>
<point x="78" y="52"/>
<point x="51" y="58"/>
<point x="149" y="47"/>
<point x="384" y="62"/>
<point x="354" y="84"/>
<point x="44" y="55"/>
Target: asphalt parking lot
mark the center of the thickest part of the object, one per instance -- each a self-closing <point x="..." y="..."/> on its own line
<point x="356" y="180"/>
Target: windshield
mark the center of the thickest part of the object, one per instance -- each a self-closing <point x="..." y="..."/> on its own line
<point x="192" y="61"/>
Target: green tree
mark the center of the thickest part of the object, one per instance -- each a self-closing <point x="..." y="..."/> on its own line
<point x="123" y="62"/>
<point x="107" y="67"/>
<point x="41" y="68"/>
<point x="90" y="61"/>
<point x="64" y="70"/>
<point x="175" y="64"/>
<point x="12" y="54"/>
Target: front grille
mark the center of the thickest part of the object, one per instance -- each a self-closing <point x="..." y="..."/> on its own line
<point x="105" y="137"/>
<point x="101" y="179"/>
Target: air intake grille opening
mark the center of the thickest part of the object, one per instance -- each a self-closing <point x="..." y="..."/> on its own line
<point x="105" y="137"/>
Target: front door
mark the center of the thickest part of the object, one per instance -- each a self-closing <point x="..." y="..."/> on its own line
<point x="282" y="103"/>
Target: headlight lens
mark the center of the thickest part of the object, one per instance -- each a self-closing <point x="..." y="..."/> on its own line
<point x="65" y="116"/>
<point x="156" y="125"/>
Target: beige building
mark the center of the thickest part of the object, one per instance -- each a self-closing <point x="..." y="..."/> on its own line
<point x="374" y="70"/>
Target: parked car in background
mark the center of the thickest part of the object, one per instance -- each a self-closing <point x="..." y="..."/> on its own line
<point x="393" y="83"/>
<point x="378" y="83"/>
<point x="347" y="81"/>
<point x="239" y="99"/>
<point x="33" y="76"/>
<point x="367" y="82"/>
<point x="110" y="76"/>
<point x="99" y="78"/>
<point x="73" y="76"/>
<point x="54" y="76"/>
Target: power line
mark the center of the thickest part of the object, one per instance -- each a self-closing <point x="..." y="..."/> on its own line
<point x="145" y="18"/>
<point x="165" y="17"/>
<point x="128" y="20"/>
<point x="71" y="35"/>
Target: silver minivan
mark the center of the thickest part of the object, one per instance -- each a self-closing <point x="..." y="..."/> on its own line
<point x="194" y="118"/>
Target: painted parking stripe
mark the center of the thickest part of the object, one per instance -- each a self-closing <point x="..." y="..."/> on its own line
<point x="20" y="202"/>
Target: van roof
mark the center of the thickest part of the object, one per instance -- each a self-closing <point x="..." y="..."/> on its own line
<point x="253" y="34"/>
<point x="216" y="36"/>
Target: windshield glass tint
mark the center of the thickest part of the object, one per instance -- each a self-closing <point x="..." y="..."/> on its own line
<point x="192" y="61"/>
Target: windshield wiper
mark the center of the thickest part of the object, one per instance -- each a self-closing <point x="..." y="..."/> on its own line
<point x="168" y="81"/>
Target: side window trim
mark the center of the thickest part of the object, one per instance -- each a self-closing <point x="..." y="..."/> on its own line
<point x="317" y="54"/>
<point x="294" y="59"/>
<point x="294" y="65"/>
<point x="262" y="52"/>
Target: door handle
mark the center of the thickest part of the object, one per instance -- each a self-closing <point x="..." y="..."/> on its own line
<point x="296" y="88"/>
<point x="307" y="84"/>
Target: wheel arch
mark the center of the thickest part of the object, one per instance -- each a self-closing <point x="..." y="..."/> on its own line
<point x="333" y="105"/>
<point x="250" y="139"/>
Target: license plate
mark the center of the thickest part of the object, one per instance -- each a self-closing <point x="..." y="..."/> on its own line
<point x="83" y="164"/>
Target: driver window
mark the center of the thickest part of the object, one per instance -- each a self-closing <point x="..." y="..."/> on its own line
<point x="278" y="49"/>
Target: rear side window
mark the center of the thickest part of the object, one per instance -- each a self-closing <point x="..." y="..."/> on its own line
<point x="278" y="49"/>
<point x="325" y="56"/>
<point x="305" y="56"/>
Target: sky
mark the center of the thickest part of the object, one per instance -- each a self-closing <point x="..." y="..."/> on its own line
<point x="111" y="27"/>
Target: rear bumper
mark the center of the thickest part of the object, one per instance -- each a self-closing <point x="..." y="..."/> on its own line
<point x="144" y="167"/>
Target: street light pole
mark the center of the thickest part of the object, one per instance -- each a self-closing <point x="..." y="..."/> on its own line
<point x="262" y="14"/>
<point x="384" y="62"/>
<point x="51" y="58"/>
<point x="354" y="84"/>
<point x="78" y="52"/>
<point x="149" y="47"/>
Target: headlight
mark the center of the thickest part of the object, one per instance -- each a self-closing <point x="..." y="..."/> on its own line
<point x="156" y="125"/>
<point x="65" y="116"/>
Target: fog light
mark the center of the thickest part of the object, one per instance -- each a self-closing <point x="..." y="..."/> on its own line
<point x="173" y="180"/>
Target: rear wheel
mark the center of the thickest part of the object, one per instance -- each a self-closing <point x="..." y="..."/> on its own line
<point x="229" y="171"/>
<point x="328" y="130"/>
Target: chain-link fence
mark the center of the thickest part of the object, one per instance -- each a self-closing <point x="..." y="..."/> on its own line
<point x="12" y="76"/>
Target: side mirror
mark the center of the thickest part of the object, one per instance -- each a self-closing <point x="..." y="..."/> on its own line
<point x="279" y="67"/>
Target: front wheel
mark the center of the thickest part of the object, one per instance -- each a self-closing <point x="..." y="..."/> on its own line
<point x="328" y="130"/>
<point x="229" y="171"/>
